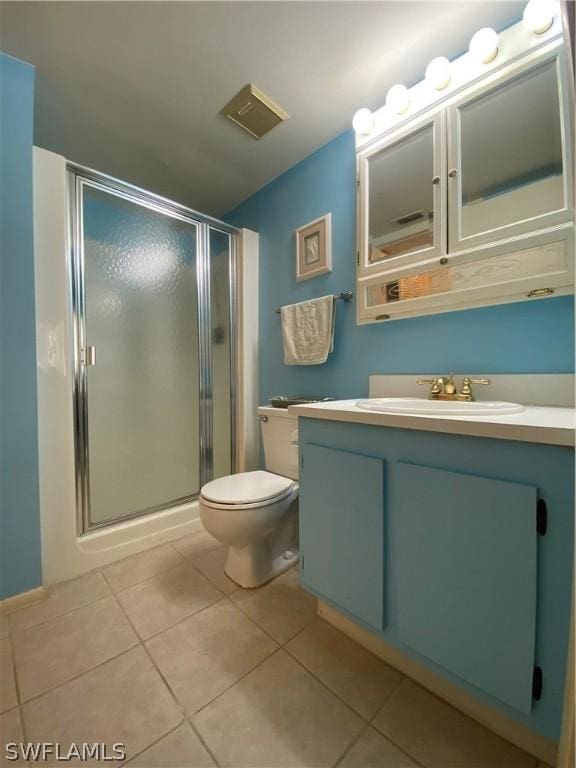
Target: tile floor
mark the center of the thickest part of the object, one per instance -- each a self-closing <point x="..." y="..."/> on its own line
<point x="163" y="653"/>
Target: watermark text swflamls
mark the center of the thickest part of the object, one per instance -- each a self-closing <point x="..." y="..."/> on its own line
<point x="38" y="752"/>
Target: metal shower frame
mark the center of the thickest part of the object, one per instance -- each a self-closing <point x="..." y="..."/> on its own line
<point x="79" y="178"/>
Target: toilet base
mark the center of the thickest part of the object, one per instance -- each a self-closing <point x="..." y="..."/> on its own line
<point x="249" y="568"/>
<point x="260" y="561"/>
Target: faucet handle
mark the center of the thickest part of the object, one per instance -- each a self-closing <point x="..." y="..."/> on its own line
<point x="466" y="388"/>
<point x="437" y="383"/>
<point x="468" y="380"/>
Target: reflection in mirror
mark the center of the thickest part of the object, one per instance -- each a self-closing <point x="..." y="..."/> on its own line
<point x="401" y="195"/>
<point x="511" y="153"/>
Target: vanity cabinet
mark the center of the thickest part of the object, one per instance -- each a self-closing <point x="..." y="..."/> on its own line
<point x="335" y="546"/>
<point x="467" y="564"/>
<point x="471" y="203"/>
<point x="436" y="544"/>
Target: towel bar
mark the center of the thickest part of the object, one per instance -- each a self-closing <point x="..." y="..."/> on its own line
<point x="345" y="296"/>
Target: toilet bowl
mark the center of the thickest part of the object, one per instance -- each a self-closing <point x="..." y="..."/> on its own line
<point x="259" y="527"/>
<point x="255" y="513"/>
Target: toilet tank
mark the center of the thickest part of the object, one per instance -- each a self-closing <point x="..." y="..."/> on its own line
<point x="280" y="438"/>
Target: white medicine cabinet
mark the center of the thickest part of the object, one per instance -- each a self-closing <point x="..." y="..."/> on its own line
<point x="470" y="203"/>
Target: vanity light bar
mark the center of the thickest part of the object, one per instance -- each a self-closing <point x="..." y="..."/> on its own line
<point x="438" y="73"/>
<point x="363" y="121"/>
<point x="484" y="45"/>
<point x="538" y="17"/>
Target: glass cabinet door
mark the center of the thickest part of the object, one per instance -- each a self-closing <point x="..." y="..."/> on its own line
<point x="401" y="201"/>
<point x="507" y="158"/>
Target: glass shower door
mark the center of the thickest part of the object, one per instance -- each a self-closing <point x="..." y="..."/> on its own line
<point x="140" y="370"/>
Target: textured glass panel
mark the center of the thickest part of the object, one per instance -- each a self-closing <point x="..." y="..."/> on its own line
<point x="512" y="153"/>
<point x="141" y="315"/>
<point x="220" y="304"/>
<point x="401" y="197"/>
<point x="531" y="262"/>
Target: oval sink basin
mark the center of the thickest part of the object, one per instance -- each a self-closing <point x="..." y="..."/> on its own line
<point x="419" y="406"/>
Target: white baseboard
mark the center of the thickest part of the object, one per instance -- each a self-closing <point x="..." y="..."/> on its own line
<point x="537" y="745"/>
<point x="10" y="604"/>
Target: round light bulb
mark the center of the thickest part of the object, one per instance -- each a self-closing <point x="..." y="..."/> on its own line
<point x="484" y="45"/>
<point x="398" y="99"/>
<point x="363" y="121"/>
<point x="438" y="73"/>
<point x="539" y="15"/>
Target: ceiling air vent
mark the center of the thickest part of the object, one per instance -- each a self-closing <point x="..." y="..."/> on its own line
<point x="254" y="111"/>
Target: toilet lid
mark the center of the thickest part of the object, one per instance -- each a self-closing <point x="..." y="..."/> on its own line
<point x="246" y="488"/>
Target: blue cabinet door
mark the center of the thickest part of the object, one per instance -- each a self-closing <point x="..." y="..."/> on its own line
<point x="342" y="529"/>
<point x="463" y="560"/>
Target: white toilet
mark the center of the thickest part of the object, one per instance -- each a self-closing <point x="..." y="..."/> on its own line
<point x="256" y="513"/>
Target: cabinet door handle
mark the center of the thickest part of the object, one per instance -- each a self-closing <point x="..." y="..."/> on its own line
<point x="452" y="173"/>
<point x="436" y="180"/>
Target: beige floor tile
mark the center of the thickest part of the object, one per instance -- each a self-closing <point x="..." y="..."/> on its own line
<point x="196" y="544"/>
<point x="282" y="608"/>
<point x="136" y="568"/>
<point x="61" y="598"/>
<point x="278" y="715"/>
<point x="8" y="696"/>
<point x="123" y="701"/>
<point x="439" y="736"/>
<point x="357" y="676"/>
<point x="372" y="750"/>
<point x="180" y="749"/>
<point x="4" y="626"/>
<point x="207" y="653"/>
<point x="162" y="601"/>
<point x="211" y="564"/>
<point x="58" y="650"/>
<point x="10" y="732"/>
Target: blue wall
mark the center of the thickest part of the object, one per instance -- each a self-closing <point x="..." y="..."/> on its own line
<point x="20" y="562"/>
<point x="536" y="336"/>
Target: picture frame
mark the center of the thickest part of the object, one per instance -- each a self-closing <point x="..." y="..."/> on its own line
<point x="314" y="248"/>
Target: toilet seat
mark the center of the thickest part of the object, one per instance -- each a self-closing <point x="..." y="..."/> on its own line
<point x="247" y="490"/>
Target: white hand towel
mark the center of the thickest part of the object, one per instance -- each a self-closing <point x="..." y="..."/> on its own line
<point x="308" y="331"/>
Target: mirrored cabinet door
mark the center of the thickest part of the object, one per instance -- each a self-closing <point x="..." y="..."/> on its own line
<point x="507" y="158"/>
<point x="402" y="193"/>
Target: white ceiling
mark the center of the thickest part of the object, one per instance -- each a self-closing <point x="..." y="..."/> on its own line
<point x="134" y="89"/>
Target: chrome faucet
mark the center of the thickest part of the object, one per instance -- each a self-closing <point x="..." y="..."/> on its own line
<point x="444" y="388"/>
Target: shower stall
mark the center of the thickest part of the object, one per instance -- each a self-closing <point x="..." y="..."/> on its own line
<point x="153" y="299"/>
<point x="141" y="304"/>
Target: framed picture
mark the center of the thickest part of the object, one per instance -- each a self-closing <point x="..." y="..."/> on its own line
<point x="314" y="248"/>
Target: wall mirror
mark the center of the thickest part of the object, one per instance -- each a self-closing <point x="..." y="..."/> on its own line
<point x="401" y="215"/>
<point x="511" y="163"/>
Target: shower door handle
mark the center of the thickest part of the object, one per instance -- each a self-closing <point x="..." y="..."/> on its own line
<point x="88" y="356"/>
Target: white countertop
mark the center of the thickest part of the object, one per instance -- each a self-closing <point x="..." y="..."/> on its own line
<point x="547" y="425"/>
